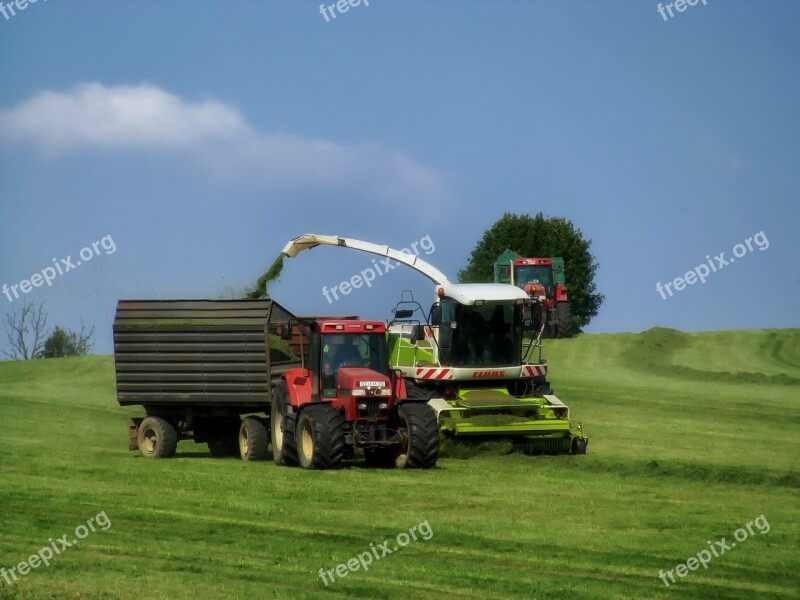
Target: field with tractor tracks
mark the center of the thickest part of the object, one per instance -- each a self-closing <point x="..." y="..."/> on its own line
<point x="692" y="437"/>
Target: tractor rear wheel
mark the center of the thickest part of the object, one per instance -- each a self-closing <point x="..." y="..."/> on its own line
<point x="253" y="439"/>
<point x="157" y="438"/>
<point x="564" y="316"/>
<point x="320" y="437"/>
<point x="419" y="432"/>
<point x="284" y="449"/>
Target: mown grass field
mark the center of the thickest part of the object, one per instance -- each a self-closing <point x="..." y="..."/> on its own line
<point x="692" y="436"/>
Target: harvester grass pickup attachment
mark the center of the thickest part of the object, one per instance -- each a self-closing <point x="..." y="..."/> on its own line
<point x="314" y="389"/>
<point x="475" y="357"/>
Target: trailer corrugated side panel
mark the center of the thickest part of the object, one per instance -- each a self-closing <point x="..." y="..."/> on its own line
<point x="197" y="352"/>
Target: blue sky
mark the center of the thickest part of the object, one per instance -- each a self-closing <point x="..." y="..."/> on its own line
<point x="201" y="136"/>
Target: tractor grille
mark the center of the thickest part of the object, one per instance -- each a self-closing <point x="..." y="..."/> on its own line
<point x="371" y="409"/>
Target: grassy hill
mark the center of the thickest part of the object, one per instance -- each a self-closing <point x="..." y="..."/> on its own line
<point x="692" y="436"/>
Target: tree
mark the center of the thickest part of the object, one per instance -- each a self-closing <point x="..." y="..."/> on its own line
<point x="64" y="342"/>
<point x="541" y="236"/>
<point x="26" y="331"/>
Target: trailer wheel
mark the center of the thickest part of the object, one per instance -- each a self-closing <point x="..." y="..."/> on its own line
<point x="253" y="439"/>
<point x="564" y="316"/>
<point x="419" y="430"/>
<point x="320" y="437"/>
<point x="157" y="438"/>
<point x="284" y="449"/>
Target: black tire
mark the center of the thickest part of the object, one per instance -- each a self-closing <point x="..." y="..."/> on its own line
<point x="564" y="315"/>
<point x="420" y="431"/>
<point x="223" y="437"/>
<point x="380" y="458"/>
<point x="320" y="437"/>
<point x="253" y="439"/>
<point x="284" y="450"/>
<point x="579" y="446"/>
<point x="157" y="438"/>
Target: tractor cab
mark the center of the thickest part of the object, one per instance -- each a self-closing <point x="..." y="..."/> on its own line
<point x="349" y="360"/>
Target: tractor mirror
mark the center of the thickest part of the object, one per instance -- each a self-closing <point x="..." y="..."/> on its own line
<point x="285" y="331"/>
<point x="403" y="314"/>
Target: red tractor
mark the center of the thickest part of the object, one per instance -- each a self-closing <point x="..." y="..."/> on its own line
<point x="345" y="398"/>
<point x="543" y="279"/>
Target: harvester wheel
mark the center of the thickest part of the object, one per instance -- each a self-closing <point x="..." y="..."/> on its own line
<point x="579" y="446"/>
<point x="157" y="438"/>
<point x="284" y="449"/>
<point x="253" y="439"/>
<point x="419" y="430"/>
<point x="320" y="437"/>
<point x="564" y="316"/>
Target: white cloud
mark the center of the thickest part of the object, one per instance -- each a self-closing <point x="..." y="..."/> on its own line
<point x="92" y="116"/>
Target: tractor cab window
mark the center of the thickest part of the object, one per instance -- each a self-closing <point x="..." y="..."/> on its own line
<point x="534" y="274"/>
<point x="340" y="350"/>
<point x="487" y="335"/>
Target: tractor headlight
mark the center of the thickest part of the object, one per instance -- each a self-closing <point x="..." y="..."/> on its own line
<point x="359" y="392"/>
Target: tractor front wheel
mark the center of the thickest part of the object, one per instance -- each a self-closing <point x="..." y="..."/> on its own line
<point x="419" y="434"/>
<point x="564" y="317"/>
<point x="320" y="437"/>
<point x="284" y="449"/>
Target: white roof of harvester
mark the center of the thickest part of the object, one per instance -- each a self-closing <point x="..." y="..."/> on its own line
<point x="468" y="293"/>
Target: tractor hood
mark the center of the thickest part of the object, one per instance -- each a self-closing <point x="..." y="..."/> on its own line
<point x="359" y="378"/>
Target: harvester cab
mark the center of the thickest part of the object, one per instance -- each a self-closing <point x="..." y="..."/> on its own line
<point x="475" y="356"/>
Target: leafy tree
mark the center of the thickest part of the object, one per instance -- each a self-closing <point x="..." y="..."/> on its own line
<point x="63" y="342"/>
<point x="541" y="236"/>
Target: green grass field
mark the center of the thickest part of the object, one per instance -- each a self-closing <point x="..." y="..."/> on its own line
<point x="692" y="437"/>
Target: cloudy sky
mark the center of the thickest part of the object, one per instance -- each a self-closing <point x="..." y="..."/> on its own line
<point x="201" y="136"/>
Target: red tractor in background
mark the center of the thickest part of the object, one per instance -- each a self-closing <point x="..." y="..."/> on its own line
<point x="543" y="279"/>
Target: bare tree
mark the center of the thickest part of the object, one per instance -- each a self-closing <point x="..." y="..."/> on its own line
<point x="26" y="331"/>
<point x="83" y="340"/>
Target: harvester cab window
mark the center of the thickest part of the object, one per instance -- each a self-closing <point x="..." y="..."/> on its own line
<point x="488" y="335"/>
